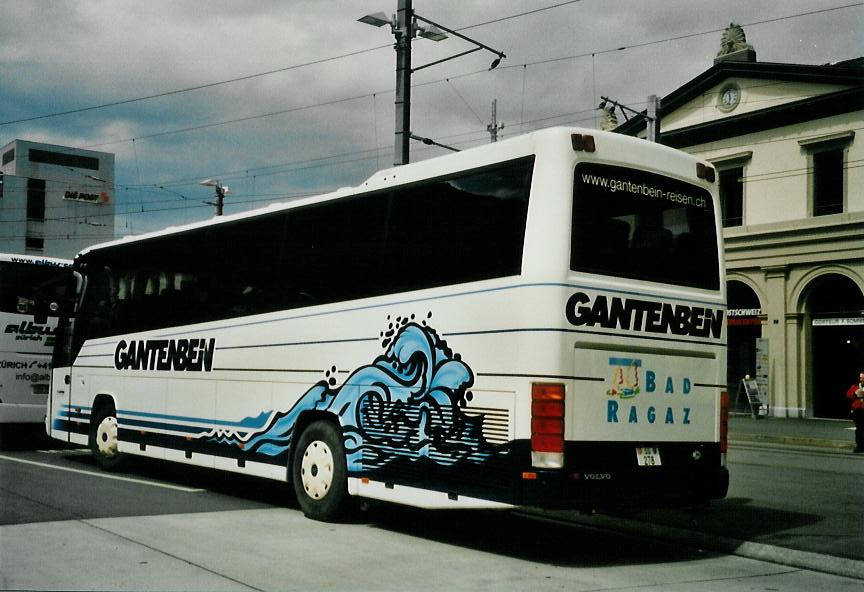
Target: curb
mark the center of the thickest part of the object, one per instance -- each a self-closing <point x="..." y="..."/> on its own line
<point x="838" y="445"/>
<point x="830" y="564"/>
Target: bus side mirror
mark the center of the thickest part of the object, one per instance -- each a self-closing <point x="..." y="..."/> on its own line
<point x="55" y="298"/>
<point x="40" y="310"/>
<point x="43" y="309"/>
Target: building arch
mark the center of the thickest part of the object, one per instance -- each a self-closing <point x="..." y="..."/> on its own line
<point x="744" y="330"/>
<point x="800" y="292"/>
<point x="747" y="280"/>
<point x="830" y="302"/>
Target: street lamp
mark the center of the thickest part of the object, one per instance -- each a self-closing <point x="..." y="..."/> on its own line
<point x="432" y="33"/>
<point x="378" y="19"/>
<point x="405" y="27"/>
<point x="220" y="189"/>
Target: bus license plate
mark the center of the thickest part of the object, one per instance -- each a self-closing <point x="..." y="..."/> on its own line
<point x="648" y="457"/>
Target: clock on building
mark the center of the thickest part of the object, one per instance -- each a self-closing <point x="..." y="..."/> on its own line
<point x="730" y="96"/>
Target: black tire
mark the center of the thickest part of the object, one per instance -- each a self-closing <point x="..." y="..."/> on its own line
<point x="319" y="472"/>
<point x="103" y="439"/>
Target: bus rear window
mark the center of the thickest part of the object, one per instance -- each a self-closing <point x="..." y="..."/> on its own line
<point x="635" y="224"/>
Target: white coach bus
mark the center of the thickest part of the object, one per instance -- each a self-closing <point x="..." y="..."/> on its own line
<point x="539" y="321"/>
<point x="25" y="345"/>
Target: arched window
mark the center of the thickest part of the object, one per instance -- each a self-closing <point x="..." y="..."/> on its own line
<point x="744" y="324"/>
<point x="836" y="309"/>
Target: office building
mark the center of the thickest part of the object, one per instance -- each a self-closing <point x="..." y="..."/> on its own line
<point x="54" y="200"/>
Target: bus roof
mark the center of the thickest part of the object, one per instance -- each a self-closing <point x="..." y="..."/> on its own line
<point x="471" y="158"/>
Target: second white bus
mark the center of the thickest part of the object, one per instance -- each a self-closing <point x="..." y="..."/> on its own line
<point x="539" y="321"/>
<point x="26" y="345"/>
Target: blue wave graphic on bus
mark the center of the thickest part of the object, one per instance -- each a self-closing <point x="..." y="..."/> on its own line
<point x="408" y="403"/>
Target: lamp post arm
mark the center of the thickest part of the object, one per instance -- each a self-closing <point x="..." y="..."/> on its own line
<point x="500" y="54"/>
<point x="431" y="142"/>
<point x="453" y="57"/>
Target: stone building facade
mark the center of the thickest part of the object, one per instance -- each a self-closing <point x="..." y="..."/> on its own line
<point x="786" y="140"/>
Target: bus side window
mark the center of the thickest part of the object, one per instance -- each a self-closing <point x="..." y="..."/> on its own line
<point x="300" y="284"/>
<point x="99" y="314"/>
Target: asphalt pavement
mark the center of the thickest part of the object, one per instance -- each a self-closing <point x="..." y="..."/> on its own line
<point x="761" y="533"/>
<point x="786" y="530"/>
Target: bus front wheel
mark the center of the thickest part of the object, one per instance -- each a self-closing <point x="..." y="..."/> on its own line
<point x="319" y="472"/>
<point x="103" y="440"/>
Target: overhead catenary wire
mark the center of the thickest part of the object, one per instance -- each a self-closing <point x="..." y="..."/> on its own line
<point x="751" y="178"/>
<point x="448" y="80"/>
<point x="299" y="195"/>
<point x="192" y="88"/>
<point x="467" y="104"/>
<point x="357" y="156"/>
<point x="260" y="74"/>
<point x="133" y="208"/>
<point x="379" y="47"/>
<point x="524" y="66"/>
<point x="304" y="164"/>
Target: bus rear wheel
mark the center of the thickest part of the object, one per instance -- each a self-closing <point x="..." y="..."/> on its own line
<point x="320" y="473"/>
<point x="103" y="440"/>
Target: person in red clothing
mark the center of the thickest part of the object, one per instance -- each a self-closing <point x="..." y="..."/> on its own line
<point x="855" y="394"/>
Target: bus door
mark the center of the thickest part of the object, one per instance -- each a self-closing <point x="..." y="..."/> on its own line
<point x="57" y="299"/>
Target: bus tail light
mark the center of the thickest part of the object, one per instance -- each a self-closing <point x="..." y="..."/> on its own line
<point x="724" y="422"/>
<point x="547" y="425"/>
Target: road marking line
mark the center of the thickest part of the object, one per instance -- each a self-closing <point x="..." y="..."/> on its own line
<point x="66" y="451"/>
<point x="102" y="475"/>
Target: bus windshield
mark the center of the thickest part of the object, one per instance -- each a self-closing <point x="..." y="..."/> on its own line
<point x="635" y="224"/>
<point x="19" y="281"/>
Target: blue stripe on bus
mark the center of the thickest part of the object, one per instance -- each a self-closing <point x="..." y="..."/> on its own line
<point x="256" y="422"/>
<point x="249" y="422"/>
<point x="186" y="429"/>
<point x="78" y="407"/>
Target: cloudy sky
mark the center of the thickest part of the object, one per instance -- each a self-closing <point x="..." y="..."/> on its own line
<point x="289" y="97"/>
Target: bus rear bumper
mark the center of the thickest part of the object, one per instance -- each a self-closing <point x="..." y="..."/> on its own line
<point x="653" y="487"/>
<point x="22" y="413"/>
<point x="613" y="474"/>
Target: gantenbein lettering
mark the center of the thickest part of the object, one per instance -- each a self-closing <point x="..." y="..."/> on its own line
<point x="165" y="355"/>
<point x="632" y="314"/>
